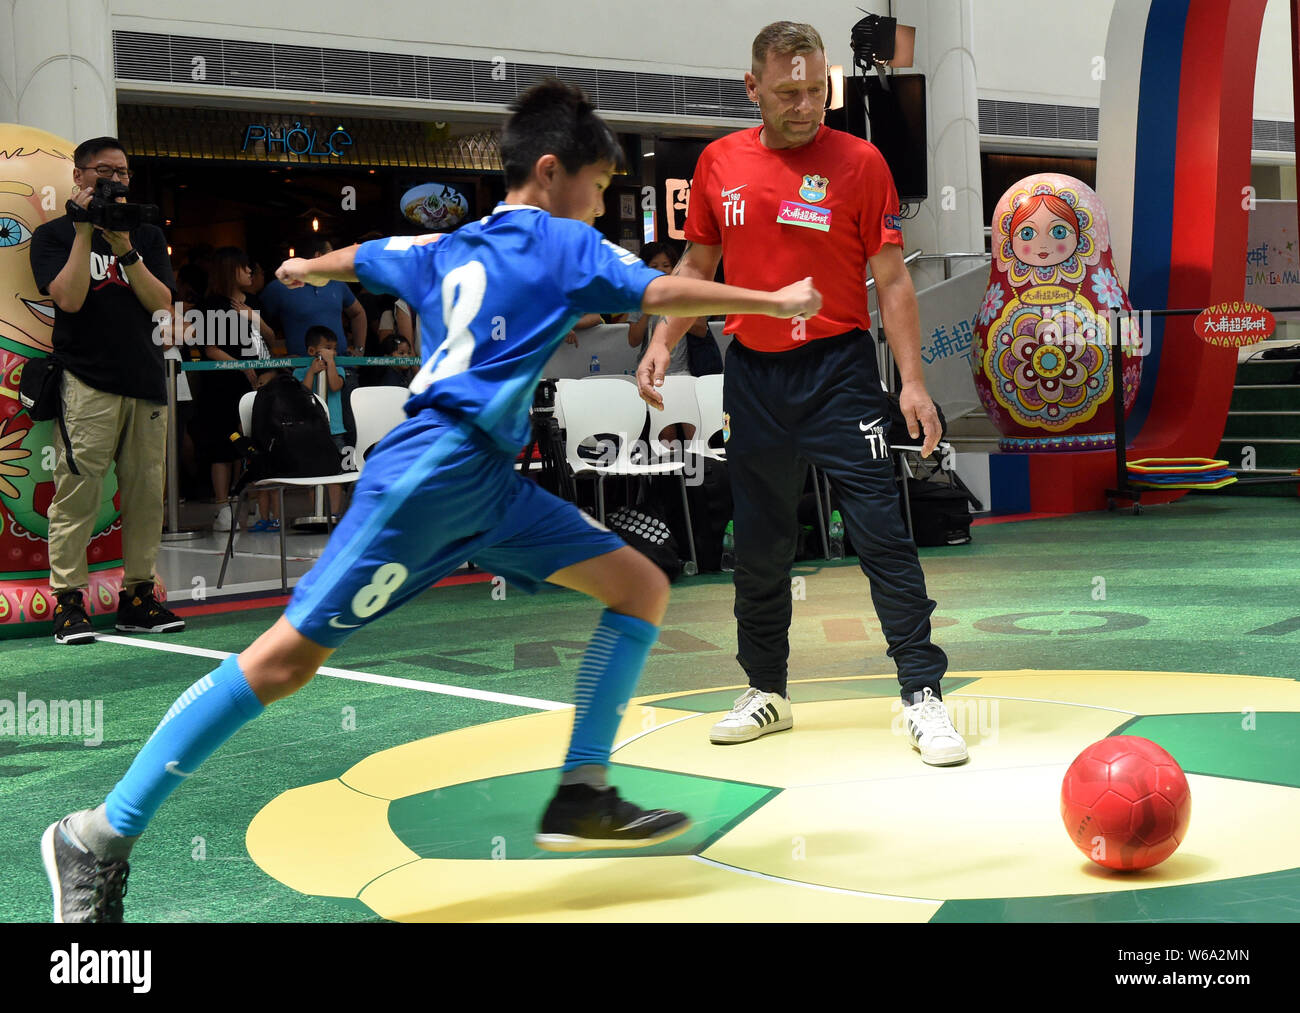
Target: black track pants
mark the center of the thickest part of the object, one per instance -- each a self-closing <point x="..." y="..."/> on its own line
<point x="820" y="404"/>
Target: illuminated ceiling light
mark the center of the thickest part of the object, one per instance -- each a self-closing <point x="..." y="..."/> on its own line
<point x="315" y="224"/>
<point x="291" y="252"/>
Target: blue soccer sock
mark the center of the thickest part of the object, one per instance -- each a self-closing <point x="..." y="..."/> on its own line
<point x="608" y="674"/>
<point x="204" y="717"/>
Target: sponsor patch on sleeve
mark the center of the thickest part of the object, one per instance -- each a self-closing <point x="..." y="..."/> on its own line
<point x="893" y="222"/>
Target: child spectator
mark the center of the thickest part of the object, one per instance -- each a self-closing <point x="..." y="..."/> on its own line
<point x="322" y="345"/>
<point x="395" y="346"/>
<point x="268" y="516"/>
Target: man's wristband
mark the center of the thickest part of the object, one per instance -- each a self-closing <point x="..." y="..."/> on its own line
<point x="129" y="257"/>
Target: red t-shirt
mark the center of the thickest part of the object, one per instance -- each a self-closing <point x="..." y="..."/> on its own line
<point x="783" y="214"/>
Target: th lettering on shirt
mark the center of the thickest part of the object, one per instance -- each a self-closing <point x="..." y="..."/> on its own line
<point x="733" y="206"/>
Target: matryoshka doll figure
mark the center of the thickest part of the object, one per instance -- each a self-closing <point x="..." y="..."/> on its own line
<point x="1053" y="315"/>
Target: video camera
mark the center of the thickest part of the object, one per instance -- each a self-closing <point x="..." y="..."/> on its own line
<point x="105" y="211"/>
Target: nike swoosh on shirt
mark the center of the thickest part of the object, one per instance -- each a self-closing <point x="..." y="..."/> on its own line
<point x="334" y="621"/>
<point x="868" y="426"/>
<point x="734" y="189"/>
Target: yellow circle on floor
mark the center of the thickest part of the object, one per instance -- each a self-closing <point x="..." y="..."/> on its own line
<point x="851" y="825"/>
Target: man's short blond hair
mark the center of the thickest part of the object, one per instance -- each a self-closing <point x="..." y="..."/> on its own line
<point x="784" y="38"/>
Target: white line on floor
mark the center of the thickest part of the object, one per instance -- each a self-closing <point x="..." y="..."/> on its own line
<point x="638" y="735"/>
<point x="957" y="694"/>
<point x="242" y="552"/>
<point x="344" y="673"/>
<point x="814" y="886"/>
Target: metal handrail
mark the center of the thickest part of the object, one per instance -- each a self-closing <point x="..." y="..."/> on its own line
<point x="871" y="282"/>
<point x="947" y="259"/>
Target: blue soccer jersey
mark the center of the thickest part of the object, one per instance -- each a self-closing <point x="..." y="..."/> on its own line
<point x="495" y="298"/>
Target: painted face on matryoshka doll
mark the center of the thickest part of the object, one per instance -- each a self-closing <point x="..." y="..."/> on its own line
<point x="1044" y="231"/>
<point x="35" y="181"/>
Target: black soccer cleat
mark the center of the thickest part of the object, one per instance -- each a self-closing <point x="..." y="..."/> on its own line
<point x="85" y="888"/>
<point x="141" y="612"/>
<point x="582" y="818"/>
<point x="70" y="623"/>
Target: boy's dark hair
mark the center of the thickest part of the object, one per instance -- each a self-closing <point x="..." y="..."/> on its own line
<point x="554" y="118"/>
<point x="318" y="333"/>
<point x="87" y="150"/>
<point x="651" y="250"/>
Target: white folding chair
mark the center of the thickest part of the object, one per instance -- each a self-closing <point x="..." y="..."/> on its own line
<point x="708" y="399"/>
<point x="597" y="408"/>
<point x="723" y="340"/>
<point x="278" y="484"/>
<point x="377" y="411"/>
<point x="680" y="409"/>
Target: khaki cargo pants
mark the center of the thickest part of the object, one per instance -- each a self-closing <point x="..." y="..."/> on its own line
<point x="105" y="429"/>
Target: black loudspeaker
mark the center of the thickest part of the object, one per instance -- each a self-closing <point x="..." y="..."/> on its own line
<point x="895" y="111"/>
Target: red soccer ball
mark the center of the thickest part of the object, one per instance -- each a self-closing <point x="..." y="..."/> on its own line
<point x="1126" y="803"/>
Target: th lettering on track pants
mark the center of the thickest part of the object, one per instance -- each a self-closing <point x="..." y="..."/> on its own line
<point x="820" y="404"/>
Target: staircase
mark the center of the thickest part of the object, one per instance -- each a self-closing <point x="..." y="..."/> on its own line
<point x="1264" y="414"/>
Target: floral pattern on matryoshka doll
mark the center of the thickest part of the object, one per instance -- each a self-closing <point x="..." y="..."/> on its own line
<point x="1043" y="333"/>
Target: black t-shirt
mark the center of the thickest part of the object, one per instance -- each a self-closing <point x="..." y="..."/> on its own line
<point x="108" y="343"/>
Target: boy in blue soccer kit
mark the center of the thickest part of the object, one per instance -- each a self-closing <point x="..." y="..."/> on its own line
<point x="497" y="297"/>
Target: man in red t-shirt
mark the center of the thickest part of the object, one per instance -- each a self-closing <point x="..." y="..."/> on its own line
<point x="775" y="204"/>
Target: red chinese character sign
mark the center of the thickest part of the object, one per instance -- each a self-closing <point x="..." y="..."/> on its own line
<point x="35" y="181"/>
<point x="1053" y="314"/>
<point x="1235" y="324"/>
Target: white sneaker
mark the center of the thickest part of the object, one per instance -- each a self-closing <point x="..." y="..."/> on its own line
<point x="222" y="521"/>
<point x="755" y="713"/>
<point x="932" y="734"/>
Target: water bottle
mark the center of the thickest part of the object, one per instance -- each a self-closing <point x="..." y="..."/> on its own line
<point x="837" y="535"/>
<point x="595" y="365"/>
<point x="729" y="549"/>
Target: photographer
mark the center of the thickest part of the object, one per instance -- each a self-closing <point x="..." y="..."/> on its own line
<point x="106" y="286"/>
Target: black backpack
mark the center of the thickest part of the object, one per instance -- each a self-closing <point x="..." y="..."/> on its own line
<point x="708" y="492"/>
<point x="940" y="513"/>
<point x="291" y="433"/>
<point x="643" y="528"/>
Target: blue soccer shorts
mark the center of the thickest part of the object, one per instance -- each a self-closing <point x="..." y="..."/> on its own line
<point x="433" y="494"/>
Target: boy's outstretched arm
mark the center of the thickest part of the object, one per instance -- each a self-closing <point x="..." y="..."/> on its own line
<point x="677" y="296"/>
<point x="337" y="265"/>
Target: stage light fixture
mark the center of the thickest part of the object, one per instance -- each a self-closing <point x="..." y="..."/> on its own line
<point x="881" y="42"/>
